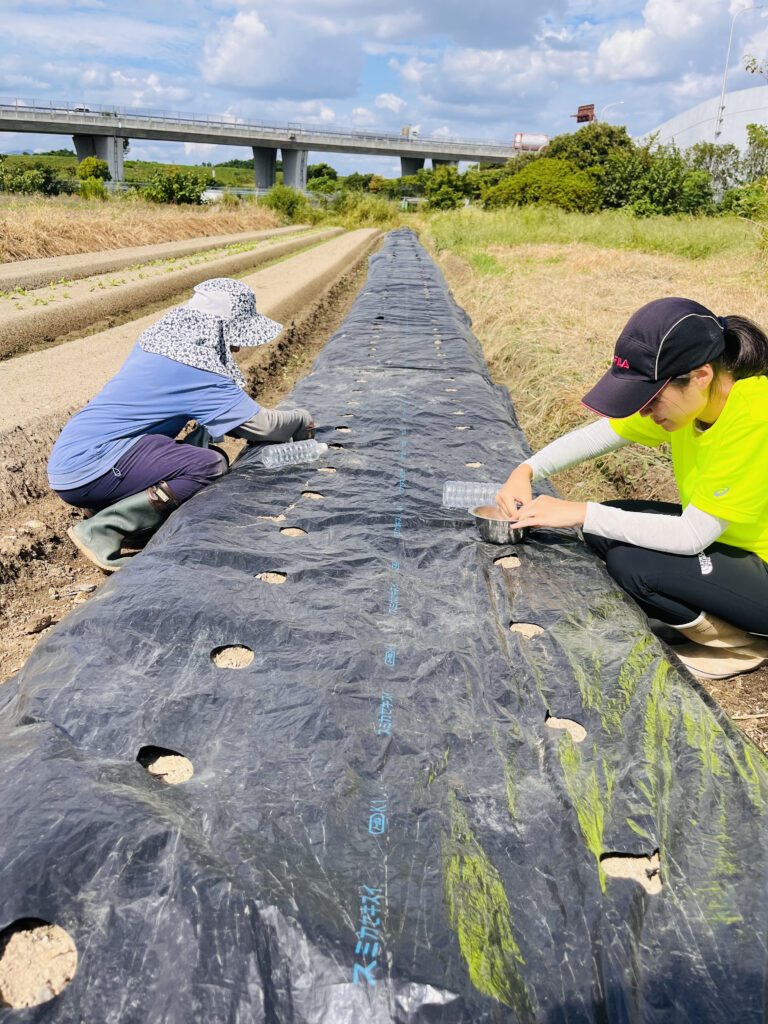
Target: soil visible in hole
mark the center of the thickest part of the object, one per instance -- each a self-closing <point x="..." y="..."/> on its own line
<point x="37" y="962"/>
<point x="527" y="629"/>
<point x="577" y="732"/>
<point x="343" y="430"/>
<point x="338" y="447"/>
<point x="314" y="495"/>
<point x="507" y="562"/>
<point x="459" y="412"/>
<point x="451" y="390"/>
<point x="464" y="428"/>
<point x="168" y="766"/>
<point x="325" y="469"/>
<point x="645" y="870"/>
<point x="271" y="577"/>
<point x="449" y="378"/>
<point x="293" y="531"/>
<point x="474" y="465"/>
<point x="361" y="380"/>
<point x="235" y="655"/>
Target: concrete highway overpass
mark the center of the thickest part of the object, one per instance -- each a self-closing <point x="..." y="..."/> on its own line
<point x="100" y="132"/>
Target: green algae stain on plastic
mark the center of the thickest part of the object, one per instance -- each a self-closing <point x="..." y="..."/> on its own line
<point x="591" y="800"/>
<point x="479" y="913"/>
<point x="659" y="714"/>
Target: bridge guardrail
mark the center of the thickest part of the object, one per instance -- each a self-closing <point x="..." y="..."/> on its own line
<point x="27" y="108"/>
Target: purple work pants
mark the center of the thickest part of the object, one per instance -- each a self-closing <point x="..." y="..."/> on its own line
<point x="153" y="458"/>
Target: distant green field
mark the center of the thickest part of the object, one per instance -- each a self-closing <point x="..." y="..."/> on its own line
<point x="142" y="170"/>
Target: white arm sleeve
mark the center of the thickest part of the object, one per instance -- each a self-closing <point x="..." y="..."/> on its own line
<point x="571" y="449"/>
<point x="688" y="534"/>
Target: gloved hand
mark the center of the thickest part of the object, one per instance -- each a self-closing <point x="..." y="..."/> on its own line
<point x="275" y="426"/>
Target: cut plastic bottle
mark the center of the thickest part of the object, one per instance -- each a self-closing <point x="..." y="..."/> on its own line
<point x="469" y="493"/>
<point x="292" y="453"/>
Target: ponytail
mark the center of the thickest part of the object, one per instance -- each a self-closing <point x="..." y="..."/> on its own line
<point x="746" y="349"/>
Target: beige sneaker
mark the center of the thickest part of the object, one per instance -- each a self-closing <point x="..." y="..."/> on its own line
<point x="722" y="662"/>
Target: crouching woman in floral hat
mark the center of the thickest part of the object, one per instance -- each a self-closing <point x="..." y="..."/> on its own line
<point x="684" y="375"/>
<point x="118" y="456"/>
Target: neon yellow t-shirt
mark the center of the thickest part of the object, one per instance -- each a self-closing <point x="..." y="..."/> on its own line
<point x="722" y="470"/>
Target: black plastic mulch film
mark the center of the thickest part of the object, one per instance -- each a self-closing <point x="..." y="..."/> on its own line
<point x="380" y="825"/>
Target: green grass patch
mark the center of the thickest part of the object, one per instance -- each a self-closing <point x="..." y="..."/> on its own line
<point x="469" y="229"/>
<point x="484" y="263"/>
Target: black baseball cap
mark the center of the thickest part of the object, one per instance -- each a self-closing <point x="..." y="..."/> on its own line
<point x="664" y="339"/>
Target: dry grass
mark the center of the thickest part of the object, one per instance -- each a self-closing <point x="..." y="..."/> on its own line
<point x="547" y="317"/>
<point x="63" y="225"/>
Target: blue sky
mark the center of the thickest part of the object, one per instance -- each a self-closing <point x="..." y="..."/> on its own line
<point x="450" y="67"/>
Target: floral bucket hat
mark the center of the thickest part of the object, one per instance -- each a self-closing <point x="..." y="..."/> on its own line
<point x="221" y="314"/>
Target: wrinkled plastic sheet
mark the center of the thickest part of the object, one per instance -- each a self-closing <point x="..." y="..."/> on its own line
<point x="380" y="826"/>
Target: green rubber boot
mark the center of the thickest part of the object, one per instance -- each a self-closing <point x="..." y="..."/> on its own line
<point x="101" y="537"/>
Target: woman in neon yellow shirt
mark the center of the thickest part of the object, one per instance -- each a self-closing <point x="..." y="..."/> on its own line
<point x="684" y="375"/>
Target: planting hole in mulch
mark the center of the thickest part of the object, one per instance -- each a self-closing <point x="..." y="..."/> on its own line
<point x="271" y="577"/>
<point x="459" y="412"/>
<point x="451" y="389"/>
<point x="169" y="766"/>
<point x="325" y="469"/>
<point x="349" y="415"/>
<point x="449" y="378"/>
<point x="507" y="562"/>
<point x="314" y="495"/>
<point x="343" y="430"/>
<point x="338" y="447"/>
<point x="577" y="732"/>
<point x="37" y="962"/>
<point x="464" y="428"/>
<point x="361" y="380"/>
<point x="474" y="465"/>
<point x="645" y="870"/>
<point x="293" y="531"/>
<point x="235" y="655"/>
<point x="526" y="629"/>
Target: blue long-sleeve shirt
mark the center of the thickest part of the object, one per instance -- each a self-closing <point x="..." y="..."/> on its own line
<point x="149" y="394"/>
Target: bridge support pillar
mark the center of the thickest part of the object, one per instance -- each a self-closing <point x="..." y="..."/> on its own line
<point x="105" y="147"/>
<point x="410" y="165"/>
<point x="444" y="163"/>
<point x="295" y="168"/>
<point x="264" y="162"/>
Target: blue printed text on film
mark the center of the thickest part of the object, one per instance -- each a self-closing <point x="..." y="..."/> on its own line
<point x="377" y="822"/>
<point x="368" y="936"/>
<point x="385" y="715"/>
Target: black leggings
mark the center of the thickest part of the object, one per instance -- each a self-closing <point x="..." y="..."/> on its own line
<point x="724" y="581"/>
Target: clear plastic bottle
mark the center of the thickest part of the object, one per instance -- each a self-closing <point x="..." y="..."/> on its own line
<point x="469" y="493"/>
<point x="292" y="453"/>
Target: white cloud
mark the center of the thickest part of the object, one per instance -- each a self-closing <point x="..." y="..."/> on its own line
<point x="629" y="53"/>
<point x="412" y="70"/>
<point x="361" y="117"/>
<point x="81" y="32"/>
<point x="283" y="55"/>
<point x="388" y="101"/>
<point x="235" y="45"/>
